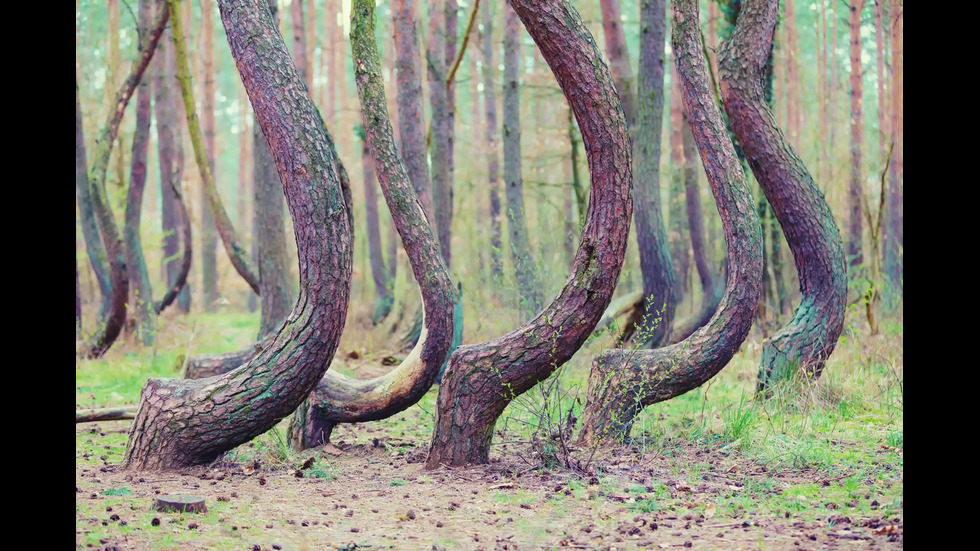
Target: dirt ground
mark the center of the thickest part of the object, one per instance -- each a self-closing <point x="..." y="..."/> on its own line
<point x="367" y="491"/>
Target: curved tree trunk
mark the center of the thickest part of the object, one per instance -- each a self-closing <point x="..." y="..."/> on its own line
<point x="142" y="293"/>
<point x="90" y="228"/>
<point x="622" y="382"/>
<point x="482" y="379"/>
<point x="236" y="253"/>
<point x="807" y="221"/>
<point x="180" y="281"/>
<point x="341" y="399"/>
<point x="184" y="422"/>
<point x="111" y="238"/>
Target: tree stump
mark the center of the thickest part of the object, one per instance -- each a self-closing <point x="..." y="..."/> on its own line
<point x="180" y="503"/>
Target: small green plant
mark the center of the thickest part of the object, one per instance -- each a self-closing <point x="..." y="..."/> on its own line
<point x="120" y="491"/>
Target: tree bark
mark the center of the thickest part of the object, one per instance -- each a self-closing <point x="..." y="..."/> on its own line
<point x="236" y="253"/>
<point x="520" y="246"/>
<point x="711" y="296"/>
<point x="809" y="338"/>
<point x="170" y="210"/>
<point x="209" y="236"/>
<point x="111" y="238"/>
<point x="482" y="379"/>
<point x="185" y="422"/>
<point x="275" y="281"/>
<point x="341" y="399"/>
<point x="412" y="130"/>
<point x="489" y="69"/>
<point x="90" y="228"/>
<point x="142" y="293"/>
<point x="855" y="226"/>
<point x="442" y="199"/>
<point x="622" y="382"/>
<point x="651" y="236"/>
<point x="894" y="240"/>
<point x="383" y="287"/>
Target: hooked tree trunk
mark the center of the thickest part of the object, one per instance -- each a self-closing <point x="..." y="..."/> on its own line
<point x="111" y="238"/>
<point x="622" y="382"/>
<point x="809" y="338"/>
<point x="184" y="422"/>
<point x="482" y="379"/>
<point x="341" y="399"/>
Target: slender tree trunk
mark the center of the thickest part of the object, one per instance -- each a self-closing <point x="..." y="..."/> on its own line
<point x="793" y="109"/>
<point x="341" y="399"/>
<point x="581" y="194"/>
<point x="489" y="70"/>
<point x="894" y="257"/>
<point x="412" y="129"/>
<point x="660" y="302"/>
<point x="275" y="281"/>
<point x="299" y="42"/>
<point x="164" y="110"/>
<point x="619" y="58"/>
<point x="711" y="296"/>
<point x="383" y="287"/>
<point x="482" y="379"/>
<point x="679" y="244"/>
<point x="209" y="235"/>
<point x="622" y="382"/>
<point x="237" y="254"/>
<point x="90" y="228"/>
<point x="855" y="226"/>
<point x="442" y="200"/>
<point x="809" y="338"/>
<point x="111" y="238"/>
<point x="185" y="422"/>
<point x="520" y="245"/>
<point x="142" y="294"/>
<point x="330" y="50"/>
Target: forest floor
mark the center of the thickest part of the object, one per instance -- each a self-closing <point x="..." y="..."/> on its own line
<point x="701" y="473"/>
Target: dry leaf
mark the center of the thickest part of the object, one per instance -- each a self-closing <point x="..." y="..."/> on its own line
<point x="709" y="511"/>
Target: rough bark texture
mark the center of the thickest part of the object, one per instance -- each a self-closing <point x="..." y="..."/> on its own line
<point x="184" y="422"/>
<point x="341" y="399"/>
<point x="622" y="382"/>
<point x="651" y="236"/>
<point x="807" y="221"/>
<point x="111" y="238"/>
<point x="482" y="379"/>
<point x="489" y="70"/>
<point x="236" y="253"/>
<point x="520" y="245"/>
<point x="411" y="128"/>
<point x="139" y="280"/>
<point x="855" y="226"/>
<point x="209" y="233"/>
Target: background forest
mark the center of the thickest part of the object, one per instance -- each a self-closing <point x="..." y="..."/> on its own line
<point x="201" y="220"/>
